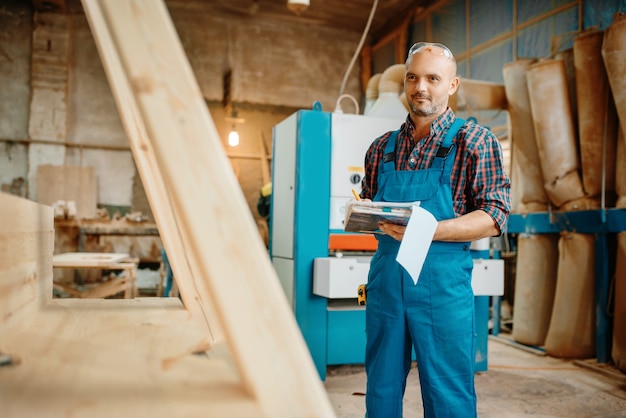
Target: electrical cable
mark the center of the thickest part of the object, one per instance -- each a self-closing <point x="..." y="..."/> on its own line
<point x="354" y="57"/>
<point x="347" y="96"/>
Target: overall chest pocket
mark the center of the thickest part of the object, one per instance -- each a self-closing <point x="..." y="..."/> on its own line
<point x="409" y="186"/>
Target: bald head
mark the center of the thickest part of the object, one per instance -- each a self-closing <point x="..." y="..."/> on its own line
<point x="429" y="80"/>
<point x="436" y="50"/>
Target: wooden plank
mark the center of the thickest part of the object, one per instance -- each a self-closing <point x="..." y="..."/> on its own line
<point x="96" y="358"/>
<point x="145" y="248"/>
<point x="102" y="290"/>
<point x="26" y="246"/>
<point x="118" y="227"/>
<point x="69" y="290"/>
<point x="86" y="260"/>
<point x="108" y="288"/>
<point x="173" y="237"/>
<point x="223" y="240"/>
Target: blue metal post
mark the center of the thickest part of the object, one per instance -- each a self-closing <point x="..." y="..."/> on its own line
<point x="604" y="327"/>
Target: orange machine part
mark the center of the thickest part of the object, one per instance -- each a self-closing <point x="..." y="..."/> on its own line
<point x="352" y="242"/>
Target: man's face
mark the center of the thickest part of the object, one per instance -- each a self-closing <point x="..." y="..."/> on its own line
<point x="430" y="78"/>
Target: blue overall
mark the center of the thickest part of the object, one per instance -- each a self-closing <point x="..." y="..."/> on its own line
<point x="436" y="316"/>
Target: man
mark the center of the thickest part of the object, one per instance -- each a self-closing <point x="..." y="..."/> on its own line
<point x="455" y="170"/>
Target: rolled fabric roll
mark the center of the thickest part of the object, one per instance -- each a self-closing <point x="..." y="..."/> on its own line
<point x="572" y="326"/>
<point x="371" y="92"/>
<point x="529" y="182"/>
<point x="535" y="286"/>
<point x="614" y="55"/>
<point x="554" y="130"/>
<point x="567" y="56"/>
<point x="597" y="117"/>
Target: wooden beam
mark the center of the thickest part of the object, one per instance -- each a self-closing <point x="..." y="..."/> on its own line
<point x="401" y="40"/>
<point x="265" y="169"/>
<point x="50" y="6"/>
<point x="175" y="240"/>
<point x="366" y="66"/>
<point x="268" y="350"/>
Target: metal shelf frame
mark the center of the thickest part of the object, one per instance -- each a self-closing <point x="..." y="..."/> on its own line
<point x="601" y="223"/>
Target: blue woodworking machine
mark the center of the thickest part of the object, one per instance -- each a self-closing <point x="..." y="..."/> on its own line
<point x="318" y="159"/>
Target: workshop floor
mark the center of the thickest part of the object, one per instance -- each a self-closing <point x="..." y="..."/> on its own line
<point x="518" y="383"/>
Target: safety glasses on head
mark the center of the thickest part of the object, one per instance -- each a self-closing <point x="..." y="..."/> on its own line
<point x="433" y="48"/>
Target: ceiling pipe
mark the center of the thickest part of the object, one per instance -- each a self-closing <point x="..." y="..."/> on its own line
<point x="390" y="86"/>
<point x="480" y="95"/>
<point x="371" y="92"/>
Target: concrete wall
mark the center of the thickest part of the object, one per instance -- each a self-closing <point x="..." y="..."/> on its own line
<point x="69" y="116"/>
<point x="92" y="117"/>
<point x="16" y="27"/>
<point x="274" y="62"/>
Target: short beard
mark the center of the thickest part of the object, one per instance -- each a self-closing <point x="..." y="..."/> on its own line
<point x="433" y="110"/>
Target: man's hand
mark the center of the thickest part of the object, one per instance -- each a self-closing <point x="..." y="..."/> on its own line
<point x="395" y="231"/>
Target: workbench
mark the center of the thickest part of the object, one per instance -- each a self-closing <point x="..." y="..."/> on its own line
<point x="89" y="231"/>
<point x="139" y="239"/>
<point x="126" y="282"/>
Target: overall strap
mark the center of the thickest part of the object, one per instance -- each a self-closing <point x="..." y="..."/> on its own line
<point x="448" y="143"/>
<point x="389" y="157"/>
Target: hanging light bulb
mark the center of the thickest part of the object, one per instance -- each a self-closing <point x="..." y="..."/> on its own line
<point x="233" y="137"/>
<point x="297" y="6"/>
<point x="233" y="119"/>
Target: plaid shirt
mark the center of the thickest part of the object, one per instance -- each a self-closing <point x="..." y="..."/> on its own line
<point x="478" y="180"/>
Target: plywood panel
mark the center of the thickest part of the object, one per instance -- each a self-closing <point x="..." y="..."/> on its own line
<point x="26" y="244"/>
<point x="69" y="183"/>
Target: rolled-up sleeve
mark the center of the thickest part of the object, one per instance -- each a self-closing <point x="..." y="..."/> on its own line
<point x="491" y="186"/>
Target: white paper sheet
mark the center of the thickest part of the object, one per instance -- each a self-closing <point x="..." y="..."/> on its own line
<point x="416" y="241"/>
